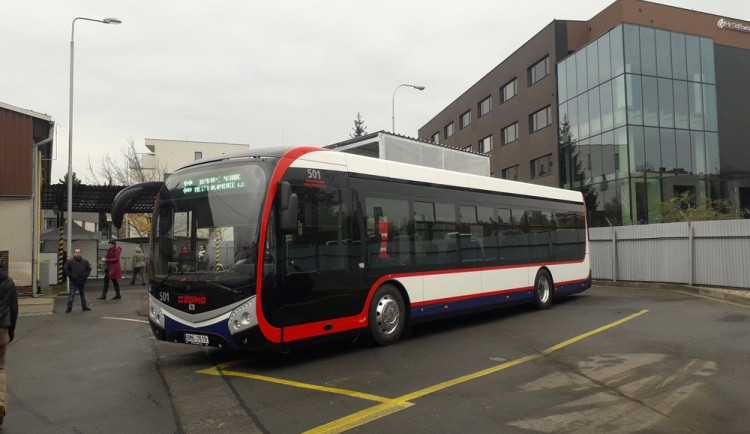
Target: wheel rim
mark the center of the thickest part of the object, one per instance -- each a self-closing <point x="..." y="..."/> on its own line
<point x="543" y="289"/>
<point x="387" y="315"/>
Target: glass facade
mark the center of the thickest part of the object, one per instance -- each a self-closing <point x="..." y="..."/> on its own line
<point x="638" y="121"/>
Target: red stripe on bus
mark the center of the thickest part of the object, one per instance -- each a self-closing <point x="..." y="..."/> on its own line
<point x="273" y="334"/>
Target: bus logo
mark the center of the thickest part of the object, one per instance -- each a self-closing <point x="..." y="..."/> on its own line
<point x="190" y="299"/>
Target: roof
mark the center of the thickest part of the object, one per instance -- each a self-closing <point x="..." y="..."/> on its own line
<point x="91" y="198"/>
<point x="31" y="113"/>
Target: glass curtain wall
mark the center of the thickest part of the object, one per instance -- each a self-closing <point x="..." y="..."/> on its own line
<point x="638" y="121"/>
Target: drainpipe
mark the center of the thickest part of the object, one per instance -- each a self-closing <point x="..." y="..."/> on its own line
<point x="36" y="289"/>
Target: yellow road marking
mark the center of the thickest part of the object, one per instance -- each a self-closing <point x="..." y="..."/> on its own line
<point x="368" y="415"/>
<point x="125" y="319"/>
<point x="352" y="393"/>
<point x="389" y="406"/>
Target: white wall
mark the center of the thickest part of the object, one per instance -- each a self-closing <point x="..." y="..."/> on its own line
<point x="15" y="237"/>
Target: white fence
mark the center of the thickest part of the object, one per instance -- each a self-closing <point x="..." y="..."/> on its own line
<point x="714" y="253"/>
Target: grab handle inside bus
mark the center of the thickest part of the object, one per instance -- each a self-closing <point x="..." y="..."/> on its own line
<point x="287" y="208"/>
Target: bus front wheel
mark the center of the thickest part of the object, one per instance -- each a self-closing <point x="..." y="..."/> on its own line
<point x="543" y="289"/>
<point x="387" y="315"/>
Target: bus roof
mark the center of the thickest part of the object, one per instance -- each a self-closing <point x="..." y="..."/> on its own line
<point x="326" y="159"/>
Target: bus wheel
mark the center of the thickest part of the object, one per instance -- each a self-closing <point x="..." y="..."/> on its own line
<point x="543" y="289"/>
<point x="387" y="315"/>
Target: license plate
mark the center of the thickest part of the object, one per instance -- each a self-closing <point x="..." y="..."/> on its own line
<point x="196" y="339"/>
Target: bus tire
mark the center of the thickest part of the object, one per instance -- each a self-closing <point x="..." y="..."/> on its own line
<point x="543" y="289"/>
<point x="387" y="317"/>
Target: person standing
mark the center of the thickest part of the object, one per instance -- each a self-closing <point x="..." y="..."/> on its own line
<point x="8" y="317"/>
<point x="139" y="263"/>
<point x="113" y="270"/>
<point x="77" y="269"/>
<point x="202" y="257"/>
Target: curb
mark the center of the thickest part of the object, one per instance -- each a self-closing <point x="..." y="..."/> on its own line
<point x="734" y="295"/>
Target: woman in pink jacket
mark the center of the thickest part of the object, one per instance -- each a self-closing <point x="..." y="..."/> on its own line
<point x="113" y="272"/>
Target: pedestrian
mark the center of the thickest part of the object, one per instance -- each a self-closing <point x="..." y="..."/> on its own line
<point x="77" y="269"/>
<point x="113" y="270"/>
<point x="202" y="257"/>
<point x="8" y="317"/>
<point x="139" y="263"/>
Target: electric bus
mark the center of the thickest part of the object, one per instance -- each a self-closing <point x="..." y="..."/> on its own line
<point x="283" y="246"/>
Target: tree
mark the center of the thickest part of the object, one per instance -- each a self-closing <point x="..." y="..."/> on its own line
<point x="683" y="207"/>
<point x="359" y="127"/>
<point x="64" y="180"/>
<point x="127" y="171"/>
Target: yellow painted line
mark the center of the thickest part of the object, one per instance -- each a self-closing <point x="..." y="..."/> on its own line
<point x="592" y="332"/>
<point x="125" y="319"/>
<point x="370" y="414"/>
<point x="354" y="394"/>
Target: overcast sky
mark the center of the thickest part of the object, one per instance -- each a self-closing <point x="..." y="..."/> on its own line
<point x="259" y="73"/>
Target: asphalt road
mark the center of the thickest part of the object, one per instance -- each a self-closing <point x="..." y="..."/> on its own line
<point x="611" y="359"/>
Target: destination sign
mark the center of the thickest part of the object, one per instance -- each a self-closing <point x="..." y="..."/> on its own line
<point x="218" y="183"/>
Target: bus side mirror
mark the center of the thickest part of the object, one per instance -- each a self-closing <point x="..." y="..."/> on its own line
<point x="288" y="204"/>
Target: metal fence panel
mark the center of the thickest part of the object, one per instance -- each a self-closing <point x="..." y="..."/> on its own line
<point x="704" y="253"/>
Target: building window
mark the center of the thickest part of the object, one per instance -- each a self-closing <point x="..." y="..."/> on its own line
<point x="485" y="145"/>
<point x="509" y="90"/>
<point x="464" y="120"/>
<point x="468" y="148"/>
<point x="509" y="133"/>
<point x="198" y="155"/>
<point x="484" y="106"/>
<point x="541" y="166"/>
<point x="539" y="70"/>
<point x="448" y="130"/>
<point x="540" y="119"/>
<point x="436" y="137"/>
<point x="511" y="173"/>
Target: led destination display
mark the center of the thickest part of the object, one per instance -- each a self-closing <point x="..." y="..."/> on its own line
<point x="229" y="182"/>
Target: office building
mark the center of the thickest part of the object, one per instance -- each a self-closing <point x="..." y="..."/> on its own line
<point x="639" y="104"/>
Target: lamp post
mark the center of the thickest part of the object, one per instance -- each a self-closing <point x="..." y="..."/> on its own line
<point x="70" y="129"/>
<point x="393" y="102"/>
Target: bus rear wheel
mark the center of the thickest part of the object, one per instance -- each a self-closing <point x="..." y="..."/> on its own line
<point x="543" y="289"/>
<point x="387" y="315"/>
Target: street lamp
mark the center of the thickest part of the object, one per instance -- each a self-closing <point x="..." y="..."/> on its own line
<point x="393" y="102"/>
<point x="70" y="130"/>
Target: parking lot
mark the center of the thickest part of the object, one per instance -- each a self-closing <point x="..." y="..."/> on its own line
<point x="610" y="359"/>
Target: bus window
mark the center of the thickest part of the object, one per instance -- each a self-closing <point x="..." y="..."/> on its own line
<point x="471" y="248"/>
<point x="514" y="239"/>
<point x="444" y="232"/>
<point x="389" y="238"/>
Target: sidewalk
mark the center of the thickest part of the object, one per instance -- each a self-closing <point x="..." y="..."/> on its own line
<point x="45" y="303"/>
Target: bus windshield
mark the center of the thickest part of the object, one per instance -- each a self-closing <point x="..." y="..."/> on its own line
<point x="206" y="227"/>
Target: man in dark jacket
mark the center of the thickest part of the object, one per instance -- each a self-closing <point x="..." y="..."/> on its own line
<point x="77" y="269"/>
<point x="8" y="317"/>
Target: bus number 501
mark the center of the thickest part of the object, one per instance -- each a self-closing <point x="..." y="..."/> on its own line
<point x="313" y="173"/>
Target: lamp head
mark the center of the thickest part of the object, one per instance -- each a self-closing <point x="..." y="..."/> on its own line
<point x="419" y="87"/>
<point x="111" y="21"/>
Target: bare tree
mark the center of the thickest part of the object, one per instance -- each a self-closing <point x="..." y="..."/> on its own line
<point x="127" y="170"/>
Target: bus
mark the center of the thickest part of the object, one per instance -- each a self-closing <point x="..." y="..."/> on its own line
<point x="283" y="246"/>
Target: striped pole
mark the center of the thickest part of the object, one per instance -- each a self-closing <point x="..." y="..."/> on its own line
<point x="218" y="250"/>
<point x="60" y="264"/>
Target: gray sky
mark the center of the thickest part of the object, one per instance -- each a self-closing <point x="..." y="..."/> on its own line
<point x="260" y="73"/>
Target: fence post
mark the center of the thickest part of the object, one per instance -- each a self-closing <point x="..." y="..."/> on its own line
<point x="614" y="250"/>
<point x="691" y="263"/>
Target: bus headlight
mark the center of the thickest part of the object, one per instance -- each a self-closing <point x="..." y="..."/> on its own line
<point x="156" y="314"/>
<point x="243" y="317"/>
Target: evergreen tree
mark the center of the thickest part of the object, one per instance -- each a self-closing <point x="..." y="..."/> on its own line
<point x="359" y="127"/>
<point x="64" y="180"/>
